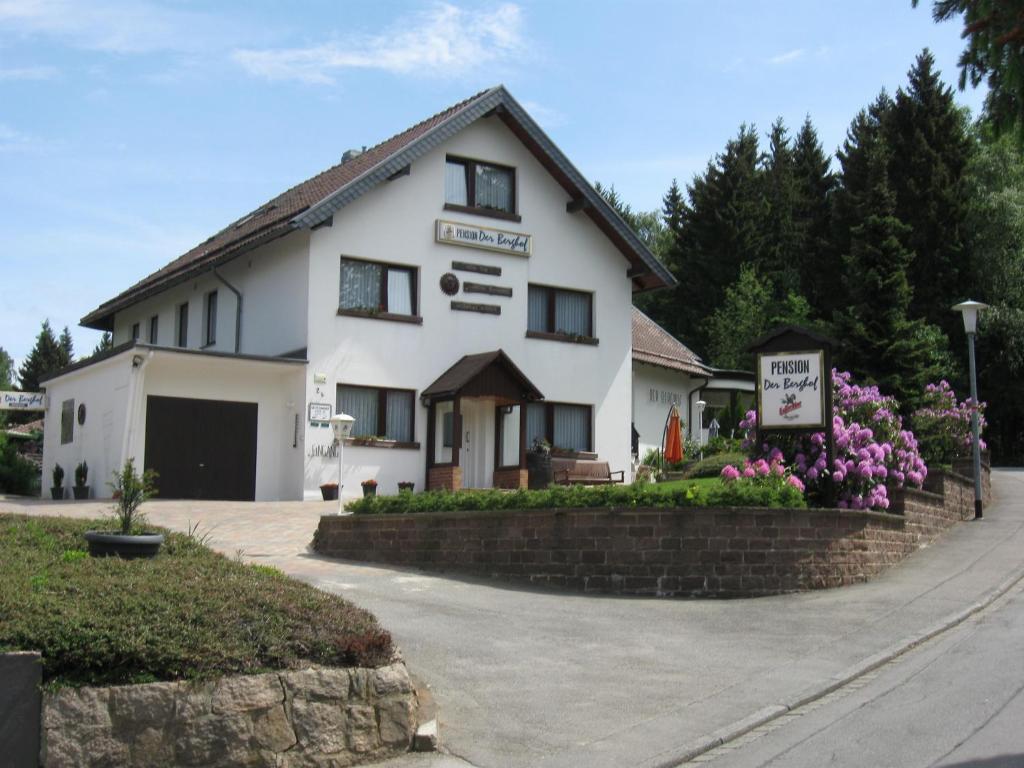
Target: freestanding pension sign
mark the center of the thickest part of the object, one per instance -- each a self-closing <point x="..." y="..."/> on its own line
<point x="791" y="389"/>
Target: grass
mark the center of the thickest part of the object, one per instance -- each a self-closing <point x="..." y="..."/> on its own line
<point x="188" y="613"/>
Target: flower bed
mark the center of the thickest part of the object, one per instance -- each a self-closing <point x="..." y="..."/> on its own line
<point x="580" y="497"/>
<point x="188" y="613"/>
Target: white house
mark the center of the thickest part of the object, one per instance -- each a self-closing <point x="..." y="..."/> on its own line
<point x="460" y="289"/>
<point x="666" y="373"/>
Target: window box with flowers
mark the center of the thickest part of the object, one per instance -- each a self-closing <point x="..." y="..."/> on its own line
<point x="369" y="487"/>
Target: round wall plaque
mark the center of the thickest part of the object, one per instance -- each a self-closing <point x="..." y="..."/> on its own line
<point x="81" y="414"/>
<point x="449" y="284"/>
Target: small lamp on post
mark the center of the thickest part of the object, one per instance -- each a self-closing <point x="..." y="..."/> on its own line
<point x="969" y="310"/>
<point x="701" y="405"/>
<point x="341" y="424"/>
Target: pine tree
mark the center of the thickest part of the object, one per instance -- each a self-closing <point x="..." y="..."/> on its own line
<point x="106" y="342"/>
<point x="67" y="346"/>
<point x="818" y="261"/>
<point x="6" y="370"/>
<point x="733" y="326"/>
<point x="47" y="356"/>
<point x="930" y="148"/>
<point x="879" y="340"/>
<point x="779" y="259"/>
<point x="672" y="208"/>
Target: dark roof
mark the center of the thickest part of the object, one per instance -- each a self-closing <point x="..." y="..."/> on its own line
<point x="653" y="345"/>
<point x="29" y="430"/>
<point x="471" y="367"/>
<point x="317" y="199"/>
<point x="795" y="333"/>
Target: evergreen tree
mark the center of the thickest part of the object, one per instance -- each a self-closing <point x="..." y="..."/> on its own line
<point x="106" y="342"/>
<point x="6" y="370"/>
<point x="733" y="325"/>
<point x="929" y="150"/>
<point x="67" y="346"/>
<point x="818" y="261"/>
<point x="672" y="208"/>
<point x="779" y="258"/>
<point x="47" y="356"/>
<point x="879" y="340"/>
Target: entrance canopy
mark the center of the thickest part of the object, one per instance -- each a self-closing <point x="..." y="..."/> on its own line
<point x="487" y="374"/>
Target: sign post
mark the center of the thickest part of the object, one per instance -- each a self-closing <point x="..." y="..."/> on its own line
<point x="794" y="389"/>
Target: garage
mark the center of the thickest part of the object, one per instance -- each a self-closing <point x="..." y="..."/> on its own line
<point x="202" y="449"/>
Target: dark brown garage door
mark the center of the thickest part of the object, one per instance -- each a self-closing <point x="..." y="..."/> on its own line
<point x="202" y="449"/>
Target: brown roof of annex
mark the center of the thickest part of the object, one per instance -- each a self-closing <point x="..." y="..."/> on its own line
<point x="653" y="345"/>
<point x="315" y="200"/>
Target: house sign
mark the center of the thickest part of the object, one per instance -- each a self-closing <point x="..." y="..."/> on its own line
<point x="22" y="401"/>
<point x="320" y="411"/>
<point x="791" y="389"/>
<point x="485" y="238"/>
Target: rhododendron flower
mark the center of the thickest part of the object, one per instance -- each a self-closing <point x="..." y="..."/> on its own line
<point x="729" y="473"/>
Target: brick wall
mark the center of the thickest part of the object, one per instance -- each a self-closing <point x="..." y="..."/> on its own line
<point x="732" y="552"/>
<point x="511" y="478"/>
<point x="449" y="478"/>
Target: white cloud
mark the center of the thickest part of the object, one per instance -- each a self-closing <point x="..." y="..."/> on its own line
<point x="547" y="116"/>
<point x="788" y="56"/>
<point x="13" y="140"/>
<point x="442" y="41"/>
<point x="28" y="73"/>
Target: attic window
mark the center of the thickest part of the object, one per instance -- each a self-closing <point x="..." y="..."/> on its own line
<point x="258" y="212"/>
<point x="471" y="186"/>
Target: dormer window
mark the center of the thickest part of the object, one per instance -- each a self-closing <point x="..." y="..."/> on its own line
<point x="472" y="186"/>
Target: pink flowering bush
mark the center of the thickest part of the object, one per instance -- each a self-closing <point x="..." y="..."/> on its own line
<point x="873" y="451"/>
<point x="943" y="425"/>
<point x="770" y="474"/>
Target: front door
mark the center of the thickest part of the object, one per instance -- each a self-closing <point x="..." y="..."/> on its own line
<point x="477" y="454"/>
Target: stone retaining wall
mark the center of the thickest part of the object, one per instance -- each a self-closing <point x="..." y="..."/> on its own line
<point x="729" y="552"/>
<point x="313" y="717"/>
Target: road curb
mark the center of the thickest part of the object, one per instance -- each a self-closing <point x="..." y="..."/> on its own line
<point x="771" y="712"/>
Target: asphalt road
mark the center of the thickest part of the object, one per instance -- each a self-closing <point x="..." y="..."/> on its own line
<point x="955" y="702"/>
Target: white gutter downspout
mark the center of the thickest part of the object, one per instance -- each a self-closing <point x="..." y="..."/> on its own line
<point x="238" y="309"/>
<point x="133" y="410"/>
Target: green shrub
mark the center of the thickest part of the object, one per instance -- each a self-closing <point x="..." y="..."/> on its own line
<point x="570" y="496"/>
<point x="712" y="466"/>
<point x="188" y="613"/>
<point x="17" y="474"/>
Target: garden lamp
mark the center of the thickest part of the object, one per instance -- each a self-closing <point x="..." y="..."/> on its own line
<point x="969" y="309"/>
<point x="341" y="424"/>
<point x="701" y="405"/>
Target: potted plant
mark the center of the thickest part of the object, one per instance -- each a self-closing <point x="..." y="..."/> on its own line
<point x="57" y="490"/>
<point x="80" y="489"/>
<point x="540" y="472"/>
<point x="369" y="487"/>
<point x="131" y="540"/>
<point x="329" y="491"/>
<point x="406" y="487"/>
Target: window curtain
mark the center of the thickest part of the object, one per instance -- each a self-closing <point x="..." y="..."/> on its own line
<point x="572" y="313"/>
<point x="572" y="427"/>
<point x="361" y="405"/>
<point x="494" y="188"/>
<point x="400" y="291"/>
<point x="360" y="285"/>
<point x="399" y="416"/>
<point x="455" y="184"/>
<point x="536" y="423"/>
<point x="537" y="312"/>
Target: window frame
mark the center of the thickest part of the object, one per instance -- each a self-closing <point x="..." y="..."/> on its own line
<point x="382" y="313"/>
<point x="67" y="421"/>
<point x="210" y="319"/>
<point x="550" y="333"/>
<point x="181" y="326"/>
<point x="382" y="417"/>
<point x="549" y="427"/>
<point x="469" y="166"/>
<point x="154" y="327"/>
<point x="136" y="331"/>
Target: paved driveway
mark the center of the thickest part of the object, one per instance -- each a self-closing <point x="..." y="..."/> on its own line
<point x="532" y="678"/>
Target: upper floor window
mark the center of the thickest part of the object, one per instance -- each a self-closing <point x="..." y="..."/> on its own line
<point x="135" y="331"/>
<point x="376" y="289"/>
<point x="379" y="412"/>
<point x="210" y="320"/>
<point x="560" y="312"/>
<point x="476" y="187"/>
<point x="182" y="339"/>
<point x="154" y="324"/>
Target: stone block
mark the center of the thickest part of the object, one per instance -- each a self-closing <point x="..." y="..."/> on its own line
<point x="194" y="700"/>
<point x="392" y="679"/>
<point x="272" y="730"/>
<point x="246" y="693"/>
<point x="363" y="735"/>
<point x="153" y="747"/>
<point x="211" y="739"/>
<point x="319" y="726"/>
<point x="397" y="719"/>
<point x="143" y="704"/>
<point x="317" y="683"/>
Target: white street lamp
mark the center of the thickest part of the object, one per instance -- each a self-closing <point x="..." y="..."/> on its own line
<point x="969" y="310"/>
<point x="341" y="424"/>
<point x="701" y="405"/>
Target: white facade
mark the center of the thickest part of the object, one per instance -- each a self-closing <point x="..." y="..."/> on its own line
<point x="290" y="290"/>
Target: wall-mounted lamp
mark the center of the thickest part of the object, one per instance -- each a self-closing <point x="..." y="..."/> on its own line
<point x="136" y="361"/>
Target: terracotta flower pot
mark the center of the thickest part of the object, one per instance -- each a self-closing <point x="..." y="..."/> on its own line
<point x="329" y="491"/>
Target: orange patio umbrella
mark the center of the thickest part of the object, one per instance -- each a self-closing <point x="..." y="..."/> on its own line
<point x="673" y="444"/>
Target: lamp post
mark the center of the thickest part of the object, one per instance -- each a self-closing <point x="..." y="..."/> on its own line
<point x="969" y="310"/>
<point x="701" y="405"/>
<point x="341" y="424"/>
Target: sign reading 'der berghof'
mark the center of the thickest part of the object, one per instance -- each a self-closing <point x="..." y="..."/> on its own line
<point x="791" y="389"/>
<point x="472" y="236"/>
<point x="22" y="401"/>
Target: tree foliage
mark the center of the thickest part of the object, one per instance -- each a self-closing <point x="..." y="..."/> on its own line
<point x="48" y="355"/>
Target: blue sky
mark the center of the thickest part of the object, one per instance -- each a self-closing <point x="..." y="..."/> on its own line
<point x="129" y="131"/>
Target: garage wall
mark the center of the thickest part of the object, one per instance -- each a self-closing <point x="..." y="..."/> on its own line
<point x="276" y="388"/>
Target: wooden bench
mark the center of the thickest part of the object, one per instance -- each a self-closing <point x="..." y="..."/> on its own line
<point x="579" y="472"/>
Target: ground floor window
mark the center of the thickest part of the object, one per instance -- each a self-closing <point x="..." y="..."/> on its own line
<point x="379" y="412"/>
<point x="565" y="426"/>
